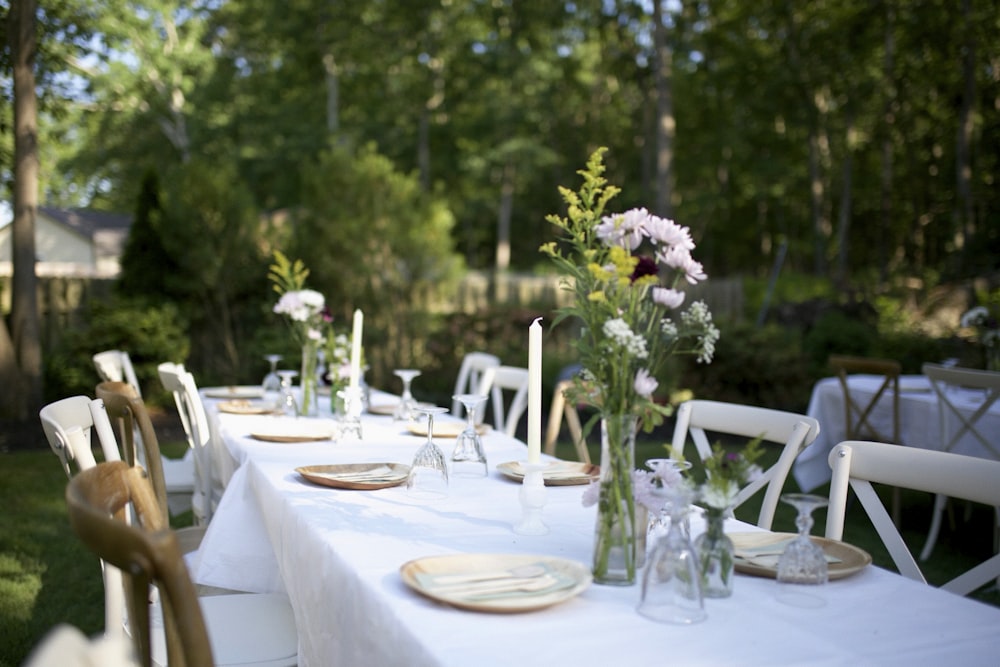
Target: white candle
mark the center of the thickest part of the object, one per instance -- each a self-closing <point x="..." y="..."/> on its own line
<point x="535" y="391"/>
<point x="359" y="319"/>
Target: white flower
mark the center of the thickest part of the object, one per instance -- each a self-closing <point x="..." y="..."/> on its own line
<point x="720" y="493"/>
<point x="624" y="229"/>
<point x="300" y="305"/>
<point x="591" y="494"/>
<point x="667" y="232"/>
<point x="670" y="298"/>
<point x="680" y="258"/>
<point x="644" y="383"/>
<point x="621" y="334"/>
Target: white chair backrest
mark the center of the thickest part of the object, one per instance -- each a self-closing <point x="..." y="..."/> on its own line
<point x="858" y="463"/>
<point x="180" y="382"/>
<point x="470" y="376"/>
<point x="116" y="366"/>
<point x="510" y="378"/>
<point x="955" y="422"/>
<point x="65" y="646"/>
<point x="793" y="431"/>
<point x="70" y="425"/>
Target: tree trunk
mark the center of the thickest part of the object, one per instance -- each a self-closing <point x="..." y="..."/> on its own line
<point x="331" y="78"/>
<point x="966" y="122"/>
<point x="26" y="396"/>
<point x="504" y="216"/>
<point x="666" y="124"/>
<point x="846" y="201"/>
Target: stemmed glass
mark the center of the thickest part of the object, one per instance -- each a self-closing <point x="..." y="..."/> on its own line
<point x="407" y="404"/>
<point x="803" y="561"/>
<point x="468" y="459"/>
<point x="671" y="583"/>
<point x="428" y="475"/>
<point x="272" y="382"/>
<point x="668" y="472"/>
<point x="288" y="404"/>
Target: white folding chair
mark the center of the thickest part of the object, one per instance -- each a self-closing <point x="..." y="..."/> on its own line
<point x="856" y="464"/>
<point x="65" y="646"/>
<point x="208" y="486"/>
<point x="116" y="366"/>
<point x="506" y="378"/>
<point x="70" y="426"/>
<point x="958" y="423"/>
<point x="469" y="380"/>
<point x="793" y="431"/>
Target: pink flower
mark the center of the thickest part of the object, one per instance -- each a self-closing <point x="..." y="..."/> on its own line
<point x="645" y="384"/>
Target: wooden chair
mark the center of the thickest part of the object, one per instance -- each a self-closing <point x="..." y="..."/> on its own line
<point x="506" y="378"/>
<point x="956" y="425"/>
<point x="65" y="646"/>
<point x="856" y="464"/>
<point x="469" y="380"/>
<point x="794" y="432"/>
<point x="562" y="409"/>
<point x="208" y="485"/>
<point x="129" y="416"/>
<point x="241" y="629"/>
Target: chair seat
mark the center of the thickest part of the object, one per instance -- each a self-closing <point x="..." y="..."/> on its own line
<point x="178" y="475"/>
<point x="244" y="629"/>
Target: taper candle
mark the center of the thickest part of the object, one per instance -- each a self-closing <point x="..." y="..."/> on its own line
<point x="535" y="391"/>
<point x="359" y="319"/>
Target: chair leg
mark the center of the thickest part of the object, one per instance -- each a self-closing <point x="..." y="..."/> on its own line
<point x="555" y="421"/>
<point x="932" y="535"/>
<point x="576" y="432"/>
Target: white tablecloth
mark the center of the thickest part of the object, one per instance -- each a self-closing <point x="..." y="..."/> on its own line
<point x="338" y="553"/>
<point x="919" y="421"/>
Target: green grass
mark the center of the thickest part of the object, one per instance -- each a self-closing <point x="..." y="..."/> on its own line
<point x="47" y="577"/>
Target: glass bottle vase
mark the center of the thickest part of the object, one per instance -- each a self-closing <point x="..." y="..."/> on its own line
<point x="615" y="534"/>
<point x="715" y="556"/>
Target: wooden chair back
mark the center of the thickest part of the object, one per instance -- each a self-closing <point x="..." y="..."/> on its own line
<point x="857" y="412"/>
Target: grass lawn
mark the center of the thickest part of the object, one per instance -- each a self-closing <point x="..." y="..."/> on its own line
<point x="47" y="577"/>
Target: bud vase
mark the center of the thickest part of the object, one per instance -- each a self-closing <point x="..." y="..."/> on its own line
<point x="615" y="534"/>
<point x="715" y="556"/>
<point x="308" y="381"/>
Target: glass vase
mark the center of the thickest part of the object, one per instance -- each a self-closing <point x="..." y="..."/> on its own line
<point x="715" y="556"/>
<point x="615" y="534"/>
<point x="308" y="379"/>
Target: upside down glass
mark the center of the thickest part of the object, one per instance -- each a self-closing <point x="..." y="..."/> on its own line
<point x="428" y="477"/>
<point x="802" y="567"/>
<point x="406" y="410"/>
<point x="469" y="459"/>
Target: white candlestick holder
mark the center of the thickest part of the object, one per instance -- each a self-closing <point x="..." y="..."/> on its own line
<point x="532" y="496"/>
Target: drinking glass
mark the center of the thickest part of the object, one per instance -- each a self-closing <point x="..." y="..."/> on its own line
<point x="272" y="382"/>
<point x="428" y="477"/>
<point x="802" y="562"/>
<point x="667" y="472"/>
<point x="469" y="459"/>
<point x="288" y="405"/>
<point x="671" y="583"/>
<point x="407" y="404"/>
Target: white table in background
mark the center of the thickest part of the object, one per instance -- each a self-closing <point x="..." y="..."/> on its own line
<point x="919" y="421"/>
<point x="337" y="554"/>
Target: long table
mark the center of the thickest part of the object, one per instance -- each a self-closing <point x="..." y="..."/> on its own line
<point x="338" y="553"/>
<point x="919" y="421"/>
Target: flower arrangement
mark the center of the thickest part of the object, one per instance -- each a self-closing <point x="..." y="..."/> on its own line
<point x="726" y="472"/>
<point x="625" y="270"/>
<point x="987" y="332"/>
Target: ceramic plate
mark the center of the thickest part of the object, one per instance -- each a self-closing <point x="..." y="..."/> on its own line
<point x="444" y="428"/>
<point x="242" y="406"/>
<point x="358" y="476"/>
<point x="757" y="553"/>
<point x="295" y="432"/>
<point x="389" y="409"/>
<point x="245" y="392"/>
<point x="500" y="583"/>
<point x="556" y="473"/>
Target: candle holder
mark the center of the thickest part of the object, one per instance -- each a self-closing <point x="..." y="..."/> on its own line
<point x="350" y="423"/>
<point x="532" y="496"/>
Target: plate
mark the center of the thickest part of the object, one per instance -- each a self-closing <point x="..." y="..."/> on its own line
<point x="844" y="559"/>
<point x="358" y="476"/>
<point x="242" y="406"/>
<point x="500" y="583"/>
<point x="914" y="385"/>
<point x="444" y="428"/>
<point x="389" y="409"/>
<point x="295" y="432"/>
<point x="556" y="473"/>
<point x="245" y="391"/>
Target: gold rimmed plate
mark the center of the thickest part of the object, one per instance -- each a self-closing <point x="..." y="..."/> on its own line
<point x="497" y="583"/>
<point x="757" y="553"/>
<point x="295" y="432"/>
<point x="234" y="392"/>
<point x="556" y="473"/>
<point x="242" y="406"/>
<point x="356" y="476"/>
<point x="444" y="428"/>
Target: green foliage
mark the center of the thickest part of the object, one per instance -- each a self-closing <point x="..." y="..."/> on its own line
<point x="287" y="276"/>
<point x="144" y="248"/>
<point x="838" y="333"/>
<point x="151" y="334"/>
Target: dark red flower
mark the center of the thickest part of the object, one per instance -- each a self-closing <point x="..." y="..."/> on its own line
<point x="646" y="267"/>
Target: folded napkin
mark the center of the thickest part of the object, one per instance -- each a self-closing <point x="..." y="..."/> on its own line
<point x="764" y="549"/>
<point x="497" y="585"/>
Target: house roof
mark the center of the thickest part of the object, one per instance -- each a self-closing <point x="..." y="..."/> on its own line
<point x="87" y="221"/>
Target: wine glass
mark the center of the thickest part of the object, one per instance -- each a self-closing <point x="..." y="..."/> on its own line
<point x="407" y="404"/>
<point x="469" y="459"/>
<point x="671" y="582"/>
<point x="668" y="472"/>
<point x="288" y="405"/>
<point x="803" y="561"/>
<point x="428" y="477"/>
<point x="272" y="382"/>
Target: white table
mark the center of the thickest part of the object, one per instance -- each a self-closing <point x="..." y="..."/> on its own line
<point x="338" y="554"/>
<point x="919" y="421"/>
